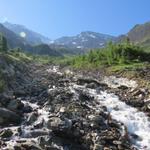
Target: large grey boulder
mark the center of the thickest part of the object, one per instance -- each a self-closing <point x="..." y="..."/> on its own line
<point x="8" y="117"/>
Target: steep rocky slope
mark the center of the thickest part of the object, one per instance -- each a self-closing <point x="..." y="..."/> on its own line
<point x="140" y="33"/>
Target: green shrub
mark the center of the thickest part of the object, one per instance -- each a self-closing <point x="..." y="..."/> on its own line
<point x="112" y="54"/>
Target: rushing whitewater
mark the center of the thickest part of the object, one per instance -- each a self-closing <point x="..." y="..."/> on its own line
<point x="27" y="129"/>
<point x="136" y="122"/>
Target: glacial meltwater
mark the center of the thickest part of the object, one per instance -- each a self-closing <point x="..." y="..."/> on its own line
<point x="137" y="122"/>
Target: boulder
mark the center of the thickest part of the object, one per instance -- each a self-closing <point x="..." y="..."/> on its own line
<point x="8" y="117"/>
<point x="57" y="124"/>
<point x="32" y="118"/>
<point x="4" y="99"/>
<point x="15" y="105"/>
<point x="27" y="109"/>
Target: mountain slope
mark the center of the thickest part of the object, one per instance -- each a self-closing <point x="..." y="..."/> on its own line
<point x="85" y="40"/>
<point x="43" y="49"/>
<point x="140" y="33"/>
<point x="15" y="41"/>
<point x="30" y="36"/>
<point x="12" y="38"/>
<point x="67" y="45"/>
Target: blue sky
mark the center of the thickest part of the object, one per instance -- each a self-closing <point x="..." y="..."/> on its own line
<point x="56" y="18"/>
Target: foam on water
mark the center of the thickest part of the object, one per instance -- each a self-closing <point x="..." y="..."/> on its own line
<point x="136" y="122"/>
<point x="42" y="112"/>
<point x="115" y="82"/>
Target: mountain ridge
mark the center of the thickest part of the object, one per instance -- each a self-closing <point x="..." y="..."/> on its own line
<point x="32" y="37"/>
<point x="85" y="40"/>
<point x="20" y="36"/>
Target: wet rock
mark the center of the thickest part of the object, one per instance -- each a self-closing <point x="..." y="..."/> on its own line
<point x="32" y="118"/>
<point x="82" y="81"/>
<point x="123" y="87"/>
<point x="43" y="141"/>
<point x="91" y="85"/>
<point x="4" y="99"/>
<point x="97" y="121"/>
<point x="15" y="105"/>
<point x="135" y="137"/>
<point x="57" y="124"/>
<point x="64" y="81"/>
<point x="84" y="96"/>
<point x="8" y="117"/>
<point x="135" y="103"/>
<point x="51" y="148"/>
<point x="27" y="109"/>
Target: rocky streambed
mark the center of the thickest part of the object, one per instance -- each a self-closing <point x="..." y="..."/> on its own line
<point x="67" y="111"/>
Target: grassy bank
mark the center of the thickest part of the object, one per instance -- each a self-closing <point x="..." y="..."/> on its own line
<point x="114" y="57"/>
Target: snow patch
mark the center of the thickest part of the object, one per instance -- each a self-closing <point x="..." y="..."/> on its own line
<point x="101" y="44"/>
<point x="79" y="46"/>
<point x="92" y="36"/>
<point x="74" y="43"/>
<point x="51" y="42"/>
